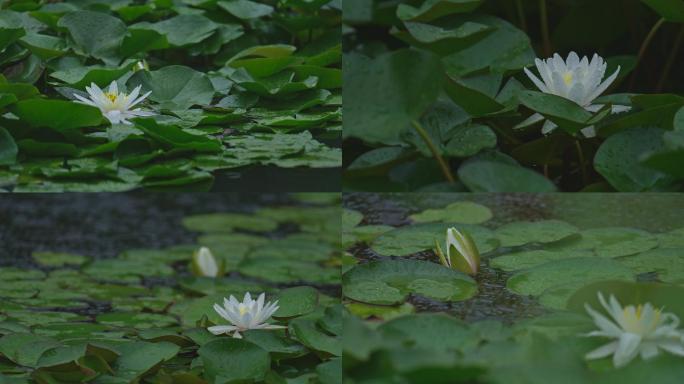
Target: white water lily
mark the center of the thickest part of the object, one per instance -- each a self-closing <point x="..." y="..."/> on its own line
<point x="641" y="330"/>
<point x="461" y="252"/>
<point x="248" y="314"/>
<point x="204" y="263"/>
<point x="115" y="106"/>
<point x="575" y="79"/>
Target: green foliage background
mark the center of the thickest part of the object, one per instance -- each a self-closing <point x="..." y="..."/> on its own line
<point x="455" y="68"/>
<point x="234" y="83"/>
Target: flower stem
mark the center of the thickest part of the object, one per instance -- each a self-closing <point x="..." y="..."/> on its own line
<point x="544" y="20"/>
<point x="642" y="49"/>
<point x="426" y="138"/>
<point x="582" y="161"/>
<point x="670" y="60"/>
<point x="521" y="15"/>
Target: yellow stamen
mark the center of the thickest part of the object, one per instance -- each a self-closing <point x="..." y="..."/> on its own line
<point x="111" y="96"/>
<point x="567" y="78"/>
<point x="242" y="310"/>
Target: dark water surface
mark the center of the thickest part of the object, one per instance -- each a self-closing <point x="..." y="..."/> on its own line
<point x="104" y="225"/>
<point x="271" y="179"/>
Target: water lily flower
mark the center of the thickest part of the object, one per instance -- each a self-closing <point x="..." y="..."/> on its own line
<point x="575" y="79"/>
<point x="248" y="314"/>
<point x="115" y="106"/>
<point x="204" y="263"/>
<point x="641" y="330"/>
<point x="461" y="252"/>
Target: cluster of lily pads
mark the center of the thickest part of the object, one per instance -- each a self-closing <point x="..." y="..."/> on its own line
<point x="491" y="96"/>
<point x="117" y="95"/>
<point x="163" y="315"/>
<point x="602" y="304"/>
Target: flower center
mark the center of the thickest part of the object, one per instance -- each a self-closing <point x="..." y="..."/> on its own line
<point x="111" y="96"/>
<point x="242" y="309"/>
<point x="567" y="78"/>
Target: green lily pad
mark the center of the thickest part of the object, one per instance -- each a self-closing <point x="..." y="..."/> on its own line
<point x="524" y="232"/>
<point x="51" y="259"/>
<point x="351" y="218"/>
<point x="136" y="320"/>
<point x="529" y="259"/>
<point x="608" y="242"/>
<point x="383" y="312"/>
<point x="296" y="301"/>
<point x="138" y="358"/>
<point x="390" y="282"/>
<point x="227" y="222"/>
<point x="667" y="263"/>
<point x="59" y="115"/>
<point x="229" y="359"/>
<point x="535" y="281"/>
<point x="465" y="212"/>
<point x="175" y="87"/>
<point x="383" y="95"/>
<point x="421" y="237"/>
<point x="618" y="160"/>
<point x="95" y="33"/>
<point x="288" y="271"/>
<point x="495" y="176"/>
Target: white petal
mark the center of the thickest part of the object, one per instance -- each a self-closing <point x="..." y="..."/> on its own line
<point x="589" y="131"/>
<point x="85" y="101"/>
<point x="529" y="121"/>
<point x="603" y="351"/>
<point x="548" y="127"/>
<point x="675" y="348"/>
<point x="542" y="87"/>
<point x="113" y="88"/>
<point x="271" y="326"/>
<point x="222" y="312"/>
<point x="627" y="349"/>
<point x="603" y="322"/>
<point x="572" y="60"/>
<point x="648" y="350"/>
<point x="601" y="88"/>
<point x="220" y="329"/>
<point x="139" y="99"/>
<point x="620" y="108"/>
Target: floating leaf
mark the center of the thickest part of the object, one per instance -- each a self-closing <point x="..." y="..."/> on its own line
<point x="390" y="282"/>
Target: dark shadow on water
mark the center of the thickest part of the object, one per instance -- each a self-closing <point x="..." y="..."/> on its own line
<point x="104" y="225"/>
<point x="273" y="179"/>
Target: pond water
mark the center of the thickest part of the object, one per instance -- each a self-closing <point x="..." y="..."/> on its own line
<point x="104" y="225"/>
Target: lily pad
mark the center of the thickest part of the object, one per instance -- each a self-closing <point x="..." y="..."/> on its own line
<point x="421" y="237"/>
<point x="390" y="282"/>
<point x="228" y="359"/>
<point x="465" y="212"/>
<point x="525" y="232"/>
<point x="536" y="280"/>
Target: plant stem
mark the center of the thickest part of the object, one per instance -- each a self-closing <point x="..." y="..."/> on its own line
<point x="521" y="15"/>
<point x="544" y="19"/>
<point x="670" y="60"/>
<point x="644" y="46"/>
<point x="442" y="164"/>
<point x="582" y="161"/>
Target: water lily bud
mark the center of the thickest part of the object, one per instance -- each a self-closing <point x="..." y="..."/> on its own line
<point x="461" y="252"/>
<point x="141" y="66"/>
<point x="204" y="264"/>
